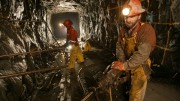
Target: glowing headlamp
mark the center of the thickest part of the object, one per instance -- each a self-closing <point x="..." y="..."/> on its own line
<point x="60" y="24"/>
<point x="126" y="11"/>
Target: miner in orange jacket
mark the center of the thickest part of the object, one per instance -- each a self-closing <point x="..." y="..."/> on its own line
<point x="75" y="52"/>
<point x="135" y="43"/>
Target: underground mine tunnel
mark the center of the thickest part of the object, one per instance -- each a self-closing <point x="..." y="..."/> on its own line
<point x="34" y="56"/>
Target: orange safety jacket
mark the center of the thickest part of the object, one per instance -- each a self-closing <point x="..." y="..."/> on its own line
<point x="72" y="35"/>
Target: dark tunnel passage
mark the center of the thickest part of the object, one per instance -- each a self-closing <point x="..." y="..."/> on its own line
<point x="57" y="23"/>
<point x="34" y="56"/>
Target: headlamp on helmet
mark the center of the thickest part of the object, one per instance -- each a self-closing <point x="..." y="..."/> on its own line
<point x="126" y="10"/>
<point x="60" y="24"/>
<point x="132" y="8"/>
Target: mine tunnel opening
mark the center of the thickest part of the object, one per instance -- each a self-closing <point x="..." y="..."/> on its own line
<point x="57" y="19"/>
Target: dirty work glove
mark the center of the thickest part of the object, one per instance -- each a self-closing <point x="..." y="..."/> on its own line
<point x="118" y="65"/>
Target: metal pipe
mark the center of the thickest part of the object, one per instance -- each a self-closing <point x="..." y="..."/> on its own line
<point x="21" y="20"/>
<point x="87" y="96"/>
<point x="30" y="72"/>
<point x="14" y="54"/>
<point x="110" y="93"/>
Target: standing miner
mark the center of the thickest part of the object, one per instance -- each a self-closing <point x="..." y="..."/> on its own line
<point x="135" y="43"/>
<point x="75" y="53"/>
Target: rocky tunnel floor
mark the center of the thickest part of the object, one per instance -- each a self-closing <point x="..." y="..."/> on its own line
<point x="66" y="87"/>
<point x="69" y="89"/>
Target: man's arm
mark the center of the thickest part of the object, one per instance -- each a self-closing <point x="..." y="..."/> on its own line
<point x="138" y="57"/>
<point x="74" y="35"/>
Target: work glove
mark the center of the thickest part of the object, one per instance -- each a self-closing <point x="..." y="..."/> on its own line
<point x="118" y="65"/>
